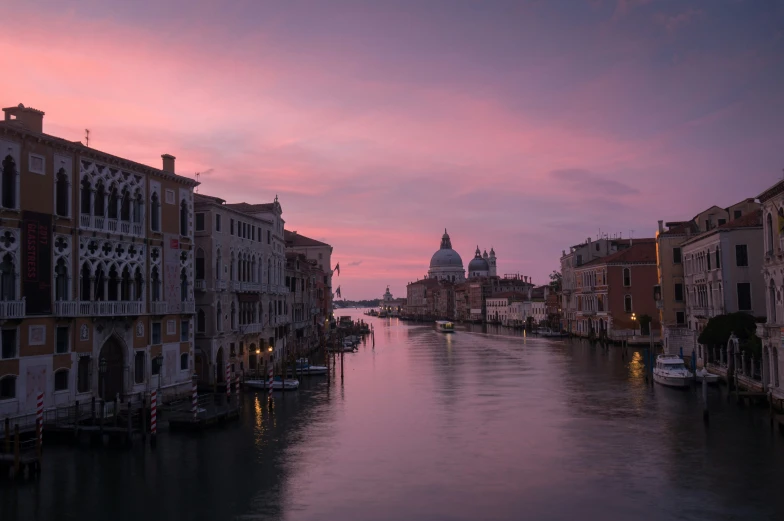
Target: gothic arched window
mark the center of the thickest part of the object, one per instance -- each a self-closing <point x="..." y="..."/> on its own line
<point x="200" y="319"/>
<point x="61" y="281"/>
<point x="769" y="233"/>
<point x="87" y="193"/>
<point x="184" y="218"/>
<point x="155" y="285"/>
<point x="125" y="208"/>
<point x="155" y="213"/>
<point x="99" y="208"/>
<point x="183" y="285"/>
<point x="9" y="182"/>
<point x="7" y="278"/>
<point x="62" y="193"/>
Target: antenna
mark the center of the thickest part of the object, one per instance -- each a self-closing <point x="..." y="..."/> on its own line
<point x="87" y="136"/>
<point x="198" y="176"/>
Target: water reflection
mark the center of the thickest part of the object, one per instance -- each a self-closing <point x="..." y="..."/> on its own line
<point x="483" y="424"/>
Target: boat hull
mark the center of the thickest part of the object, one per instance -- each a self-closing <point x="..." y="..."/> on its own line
<point x="277" y="385"/>
<point x="672" y="381"/>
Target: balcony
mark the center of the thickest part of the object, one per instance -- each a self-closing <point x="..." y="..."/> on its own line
<point x="200" y="285"/>
<point x="66" y="308"/>
<point x="12" y="308"/>
<point x="188" y="307"/>
<point x="101" y="223"/>
<point x="264" y="287"/>
<point x="159" y="308"/>
<point x="250" y="329"/>
<point x="109" y="309"/>
<point x="250" y="287"/>
<point x="233" y="285"/>
<point x="220" y="285"/>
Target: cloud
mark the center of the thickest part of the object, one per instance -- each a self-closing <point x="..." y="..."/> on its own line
<point x="355" y="263"/>
<point x="586" y="182"/>
<point x="673" y="22"/>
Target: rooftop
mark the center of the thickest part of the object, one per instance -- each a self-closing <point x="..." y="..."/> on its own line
<point x="642" y="251"/>
<point x="295" y="239"/>
<point x="750" y="220"/>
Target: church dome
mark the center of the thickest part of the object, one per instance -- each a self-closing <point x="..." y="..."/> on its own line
<point x="478" y="263"/>
<point x="446" y="257"/>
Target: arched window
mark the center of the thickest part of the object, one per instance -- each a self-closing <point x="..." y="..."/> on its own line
<point x="84" y="293"/>
<point x="199" y="264"/>
<point x="184" y="218"/>
<point x="126" y="284"/>
<point x="61" y="281"/>
<point x="155" y="213"/>
<point x="218" y="317"/>
<point x="9" y="182"/>
<point x="87" y="193"/>
<point x="155" y="285"/>
<point x="62" y="192"/>
<point x="769" y="233"/>
<point x="183" y="285"/>
<point x="233" y="317"/>
<point x="99" y="208"/>
<point x="269" y="271"/>
<point x="7" y="278"/>
<point x="252" y="275"/>
<point x="627" y="277"/>
<point x="138" y="208"/>
<point x="125" y="208"/>
<point x="218" y="266"/>
<point x="7" y="387"/>
<point x="61" y="380"/>
<point x="627" y="303"/>
<point x="184" y="362"/>
<point x="139" y="282"/>
<point x="114" y="279"/>
<point x="772" y="300"/>
<point x="200" y="321"/>
<point x="231" y="267"/>
<point x="113" y="202"/>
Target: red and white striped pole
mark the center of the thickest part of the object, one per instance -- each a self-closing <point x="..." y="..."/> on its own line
<point x="194" y="400"/>
<point x="237" y="385"/>
<point x="228" y="381"/>
<point x="269" y="379"/>
<point x="154" y="412"/>
<point x="39" y="418"/>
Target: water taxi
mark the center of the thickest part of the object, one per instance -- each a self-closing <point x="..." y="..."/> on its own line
<point x="445" y="326"/>
<point x="670" y="371"/>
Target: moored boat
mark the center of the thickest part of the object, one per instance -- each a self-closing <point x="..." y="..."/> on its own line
<point x="703" y="374"/>
<point x="445" y="326"/>
<point x="304" y="367"/>
<point x="551" y="333"/>
<point x="670" y="371"/>
<point x="288" y="384"/>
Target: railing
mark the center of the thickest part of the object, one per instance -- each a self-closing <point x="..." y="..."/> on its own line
<point x="189" y="307"/>
<point x="108" y="308"/>
<point x="220" y="285"/>
<point x="250" y="287"/>
<point x="66" y="308"/>
<point x="159" y="308"/>
<point x="12" y="308"/>
<point x="264" y="287"/>
<point x="251" y="328"/>
<point x="200" y="285"/>
<point x="234" y="285"/>
<point x="102" y="223"/>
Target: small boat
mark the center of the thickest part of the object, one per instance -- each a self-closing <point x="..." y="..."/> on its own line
<point x="445" y="326"/>
<point x="703" y="374"/>
<point x="304" y="367"/>
<point x="550" y="332"/>
<point x="670" y="371"/>
<point x="346" y="347"/>
<point x="289" y="384"/>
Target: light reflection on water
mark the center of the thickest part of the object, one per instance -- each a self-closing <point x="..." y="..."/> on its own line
<point x="482" y="424"/>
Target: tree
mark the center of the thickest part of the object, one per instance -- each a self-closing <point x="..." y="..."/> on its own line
<point x="555" y="280"/>
<point x="719" y="328"/>
<point x="645" y="324"/>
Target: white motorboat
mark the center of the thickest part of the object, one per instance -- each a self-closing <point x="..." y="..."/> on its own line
<point x="445" y="326"/>
<point x="289" y="384"/>
<point x="304" y="367"/>
<point x="703" y="374"/>
<point x="670" y="371"/>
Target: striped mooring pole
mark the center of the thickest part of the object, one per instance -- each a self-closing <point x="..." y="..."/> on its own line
<point x="228" y="381"/>
<point x="237" y="385"/>
<point x="154" y="412"/>
<point x="39" y="418"/>
<point x="269" y="380"/>
<point x="194" y="400"/>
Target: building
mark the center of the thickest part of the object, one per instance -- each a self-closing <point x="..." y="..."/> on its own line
<point x="104" y="304"/>
<point x="321" y="253"/>
<point x="611" y="292"/>
<point x="723" y="272"/>
<point x="446" y="264"/>
<point x="304" y="303"/>
<point x="508" y="308"/>
<point x="538" y="298"/>
<point x="577" y="256"/>
<point x="478" y="267"/>
<point x="772" y="201"/>
<point x="393" y="307"/>
<point x="669" y="262"/>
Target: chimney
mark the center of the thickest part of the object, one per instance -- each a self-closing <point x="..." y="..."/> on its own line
<point x="168" y="163"/>
<point x="661" y="226"/>
<point x="27" y="117"/>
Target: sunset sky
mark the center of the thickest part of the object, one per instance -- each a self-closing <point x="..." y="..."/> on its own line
<point x="526" y="126"/>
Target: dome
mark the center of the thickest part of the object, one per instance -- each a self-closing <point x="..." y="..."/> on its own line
<point x="446" y="258"/>
<point x="478" y="264"/>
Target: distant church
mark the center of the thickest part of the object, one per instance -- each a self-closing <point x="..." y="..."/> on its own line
<point x="446" y="263"/>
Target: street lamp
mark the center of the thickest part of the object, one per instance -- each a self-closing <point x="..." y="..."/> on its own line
<point x="102" y="371"/>
<point x="634" y="319"/>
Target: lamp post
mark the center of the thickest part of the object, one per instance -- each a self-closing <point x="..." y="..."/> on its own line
<point x="634" y="320"/>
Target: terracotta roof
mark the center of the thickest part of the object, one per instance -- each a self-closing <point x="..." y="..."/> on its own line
<point x="750" y="220"/>
<point x="642" y="251"/>
<point x="247" y="207"/>
<point x="295" y="239"/>
<point x="202" y="198"/>
<point x="682" y="228"/>
<point x="430" y="283"/>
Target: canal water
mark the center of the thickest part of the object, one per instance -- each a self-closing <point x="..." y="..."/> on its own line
<point x="485" y="424"/>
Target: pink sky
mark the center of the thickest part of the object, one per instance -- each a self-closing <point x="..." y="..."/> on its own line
<point x="523" y="126"/>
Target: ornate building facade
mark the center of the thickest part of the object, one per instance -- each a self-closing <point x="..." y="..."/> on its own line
<point x="96" y="271"/>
